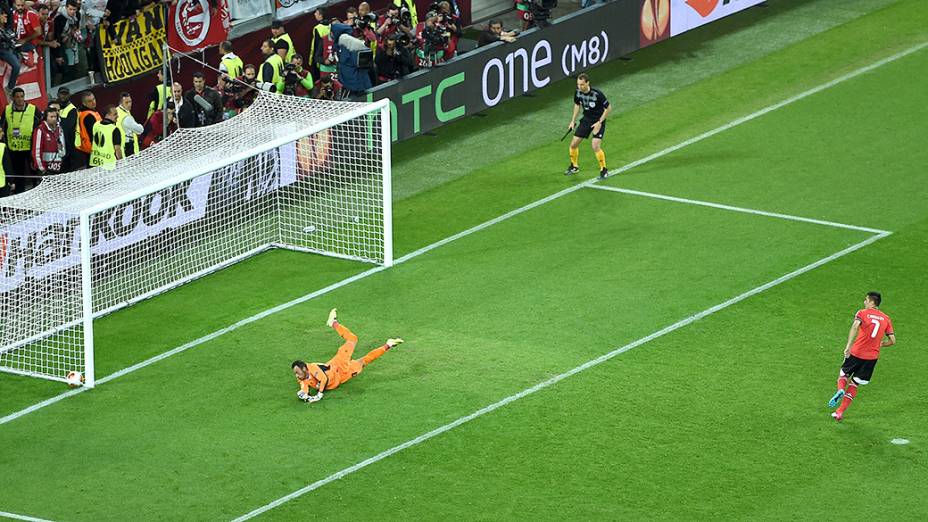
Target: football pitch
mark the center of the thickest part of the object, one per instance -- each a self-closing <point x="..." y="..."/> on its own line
<point x="657" y="345"/>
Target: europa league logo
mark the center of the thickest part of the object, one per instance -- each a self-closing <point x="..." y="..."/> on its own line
<point x="655" y="21"/>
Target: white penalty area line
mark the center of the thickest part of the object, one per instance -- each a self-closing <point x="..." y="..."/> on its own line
<point x="469" y="231"/>
<point x="554" y="380"/>
<point x="739" y="209"/>
<point x="14" y="516"/>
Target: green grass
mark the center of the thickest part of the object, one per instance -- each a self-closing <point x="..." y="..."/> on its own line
<point x="724" y="418"/>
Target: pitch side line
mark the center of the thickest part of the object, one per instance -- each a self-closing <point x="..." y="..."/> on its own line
<point x="14" y="516"/>
<point x="739" y="209"/>
<point x="554" y="380"/>
<point x="477" y="228"/>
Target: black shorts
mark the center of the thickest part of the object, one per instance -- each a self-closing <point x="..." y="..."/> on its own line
<point x="860" y="369"/>
<point x="585" y="127"/>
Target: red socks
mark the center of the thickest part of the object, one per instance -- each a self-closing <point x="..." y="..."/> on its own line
<point x="842" y="382"/>
<point x="848" y="398"/>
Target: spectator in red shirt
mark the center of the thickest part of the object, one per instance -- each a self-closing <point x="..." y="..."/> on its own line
<point x="154" y="127"/>
<point x="26" y="25"/>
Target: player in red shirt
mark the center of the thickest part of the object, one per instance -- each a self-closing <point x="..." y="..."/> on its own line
<point x="862" y="351"/>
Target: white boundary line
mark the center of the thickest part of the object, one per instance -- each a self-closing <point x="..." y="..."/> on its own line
<point x="14" y="516"/>
<point x="554" y="380"/>
<point x="477" y="228"/>
<point x="738" y="209"/>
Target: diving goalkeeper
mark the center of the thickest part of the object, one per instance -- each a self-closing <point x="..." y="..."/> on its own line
<point x="339" y="369"/>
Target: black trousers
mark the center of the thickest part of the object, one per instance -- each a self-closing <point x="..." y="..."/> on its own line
<point x="22" y="166"/>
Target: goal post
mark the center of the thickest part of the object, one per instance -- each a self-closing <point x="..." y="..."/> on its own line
<point x="305" y="175"/>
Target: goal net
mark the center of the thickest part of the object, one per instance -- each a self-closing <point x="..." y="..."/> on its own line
<point x="292" y="173"/>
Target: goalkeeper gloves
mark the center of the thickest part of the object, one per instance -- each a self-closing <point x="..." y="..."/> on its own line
<point x="305" y="397"/>
<point x="393" y="342"/>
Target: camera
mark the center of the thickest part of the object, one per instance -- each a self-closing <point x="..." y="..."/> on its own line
<point x="365" y="21"/>
<point x="326" y="91"/>
<point x="291" y="79"/>
<point x="401" y="38"/>
<point x="541" y="11"/>
<point x="434" y="38"/>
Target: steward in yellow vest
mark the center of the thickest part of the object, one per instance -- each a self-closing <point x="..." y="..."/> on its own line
<point x="158" y="96"/>
<point x="106" y="141"/>
<point x="230" y="64"/>
<point x="126" y="122"/>
<point x="4" y="165"/>
<point x="280" y="35"/>
<point x="271" y="77"/>
<point x="19" y="121"/>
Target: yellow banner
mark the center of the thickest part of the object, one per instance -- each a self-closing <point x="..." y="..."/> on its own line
<point x="132" y="46"/>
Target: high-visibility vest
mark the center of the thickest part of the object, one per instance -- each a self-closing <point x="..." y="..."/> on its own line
<point x="278" y="64"/>
<point x="104" y="149"/>
<point x="82" y="134"/>
<point x="2" y="170"/>
<point x="19" y="129"/>
<point x="234" y="66"/>
<point x="67" y="110"/>
<point x="121" y="115"/>
<point x="412" y="10"/>
<point x="291" y="51"/>
<point x="162" y="91"/>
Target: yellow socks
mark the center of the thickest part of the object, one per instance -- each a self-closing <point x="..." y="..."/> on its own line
<point x="574" y="157"/>
<point x="601" y="158"/>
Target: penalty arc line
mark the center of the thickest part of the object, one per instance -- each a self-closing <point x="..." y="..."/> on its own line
<point x="467" y="232"/>
<point x="554" y="380"/>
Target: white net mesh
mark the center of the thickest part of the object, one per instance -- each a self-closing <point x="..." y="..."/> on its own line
<point x="288" y="172"/>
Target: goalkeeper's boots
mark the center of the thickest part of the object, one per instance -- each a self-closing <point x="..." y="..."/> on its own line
<point x="332" y="319"/>
<point x="836" y="399"/>
<point x="571" y="169"/>
<point x="393" y="342"/>
<point x="603" y="172"/>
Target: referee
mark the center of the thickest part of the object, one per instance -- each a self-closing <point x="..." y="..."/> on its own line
<point x="595" y="110"/>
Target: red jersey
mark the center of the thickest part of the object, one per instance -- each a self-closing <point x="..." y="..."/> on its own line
<point x="26" y="23"/>
<point x="874" y="324"/>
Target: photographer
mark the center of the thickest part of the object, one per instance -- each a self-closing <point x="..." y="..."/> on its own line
<point x="394" y="60"/>
<point x="495" y="33"/>
<point x="243" y="91"/>
<point x="354" y="59"/>
<point x="392" y="23"/>
<point x="297" y="80"/>
<point x="433" y="41"/>
<point x="452" y="25"/>
<point x="328" y="89"/>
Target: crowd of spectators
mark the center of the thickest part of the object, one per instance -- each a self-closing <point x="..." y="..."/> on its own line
<point x="344" y="58"/>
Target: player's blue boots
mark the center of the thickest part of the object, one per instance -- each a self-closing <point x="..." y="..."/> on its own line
<point x="836" y="399"/>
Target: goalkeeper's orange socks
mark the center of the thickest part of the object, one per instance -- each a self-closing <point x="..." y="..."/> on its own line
<point x="848" y="399"/>
<point x="601" y="158"/>
<point x="373" y="354"/>
<point x="575" y="157"/>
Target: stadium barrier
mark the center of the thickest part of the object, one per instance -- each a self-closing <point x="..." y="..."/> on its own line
<point x="575" y="43"/>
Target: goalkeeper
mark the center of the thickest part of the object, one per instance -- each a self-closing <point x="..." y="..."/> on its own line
<point x="339" y="369"/>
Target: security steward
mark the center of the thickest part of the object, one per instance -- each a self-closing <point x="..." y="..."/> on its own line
<point x="87" y="119"/>
<point x="19" y="121"/>
<point x="67" y="119"/>
<point x="106" y="140"/>
<point x="5" y="166"/>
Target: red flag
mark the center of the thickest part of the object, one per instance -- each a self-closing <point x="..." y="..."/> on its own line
<point x="193" y="25"/>
<point x="31" y="78"/>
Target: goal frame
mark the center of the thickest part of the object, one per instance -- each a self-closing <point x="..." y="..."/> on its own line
<point x="85" y="216"/>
